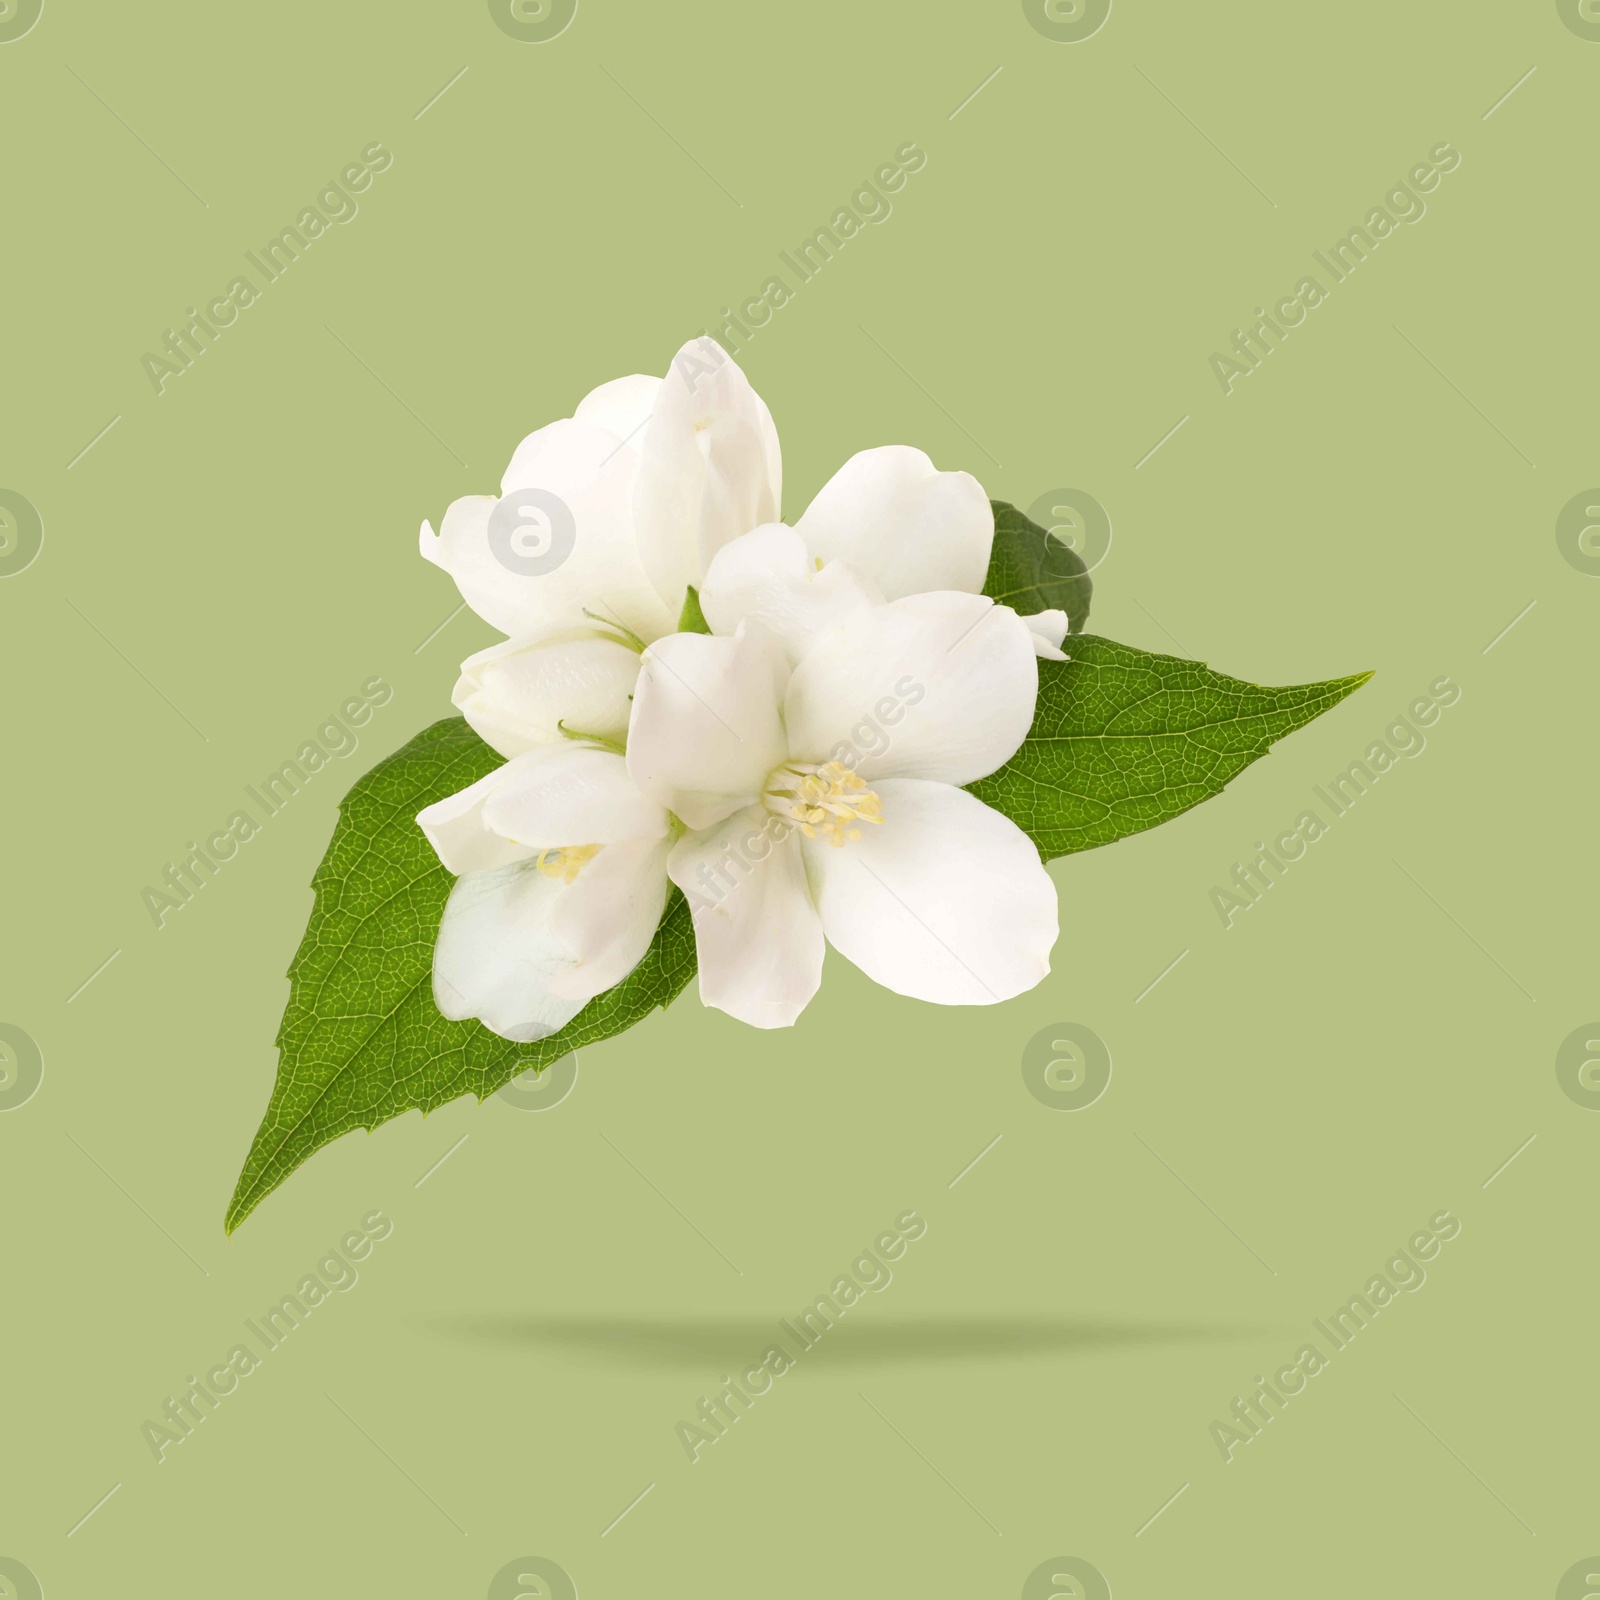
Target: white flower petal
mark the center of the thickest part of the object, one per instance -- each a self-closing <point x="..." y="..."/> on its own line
<point x="768" y="576"/>
<point x="517" y="694"/>
<point x="706" y="730"/>
<point x="622" y="407"/>
<point x="570" y="795"/>
<point x="756" y="932"/>
<point x="710" y="468"/>
<point x="945" y="900"/>
<point x="524" y="952"/>
<point x="938" y="686"/>
<point x="1049" y="629"/>
<point x="908" y="526"/>
<point x="491" y="961"/>
<point x="559" y="543"/>
<point x="612" y="924"/>
<point x="566" y="456"/>
<point x="458" y="833"/>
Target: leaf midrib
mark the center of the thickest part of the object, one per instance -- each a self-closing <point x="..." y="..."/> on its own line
<point x="1189" y="733"/>
<point x="314" y="1009"/>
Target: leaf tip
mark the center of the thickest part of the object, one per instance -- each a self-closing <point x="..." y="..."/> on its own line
<point x="692" y="619"/>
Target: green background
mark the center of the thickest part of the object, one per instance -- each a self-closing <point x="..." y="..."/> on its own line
<point x="1289" y="1103"/>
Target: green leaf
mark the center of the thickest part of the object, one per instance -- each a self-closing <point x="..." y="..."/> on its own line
<point x="1123" y="740"/>
<point x="1032" y="570"/>
<point x="693" y="619"/>
<point x="361" y="1040"/>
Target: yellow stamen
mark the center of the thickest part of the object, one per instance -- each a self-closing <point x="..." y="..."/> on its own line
<point x="567" y="863"/>
<point x="823" y="800"/>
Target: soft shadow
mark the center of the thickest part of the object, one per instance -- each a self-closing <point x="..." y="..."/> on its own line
<point x="858" y="1339"/>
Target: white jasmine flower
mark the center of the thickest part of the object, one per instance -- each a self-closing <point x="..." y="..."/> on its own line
<point x="606" y="518"/>
<point x="603" y="522"/>
<point x="614" y="511"/>
<point x="887" y="524"/>
<point x="562" y="883"/>
<point x="797" y="835"/>
<point x="558" y="683"/>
